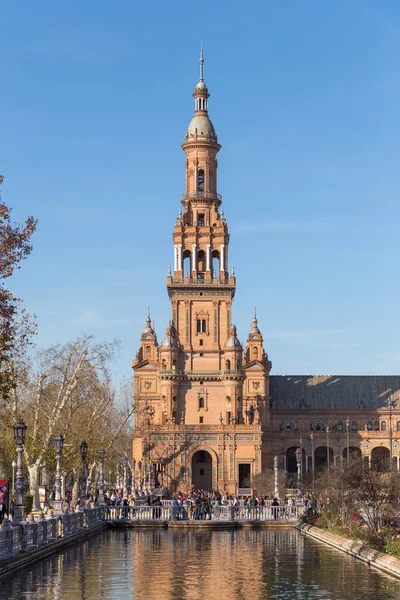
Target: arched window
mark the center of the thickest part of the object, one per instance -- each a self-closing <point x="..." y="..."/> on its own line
<point x="398" y="425"/>
<point x="340" y="426"/>
<point x="310" y="426"/>
<point x="288" y="425"/>
<point x="186" y="267"/>
<point x="148" y="352"/>
<point x="369" y="425"/>
<point x="255" y="353"/>
<point x="163" y="364"/>
<point x="281" y="425"/>
<point x="324" y="425"/>
<point x="295" y="425"/>
<point x="201" y="326"/>
<point x="354" y="425"/>
<point x="317" y="426"/>
<point x="215" y="263"/>
<point x="201" y="261"/>
<point x="200" y="180"/>
<point x="228" y="365"/>
<point x="201" y="402"/>
<point x="376" y="426"/>
<point x="383" y="425"/>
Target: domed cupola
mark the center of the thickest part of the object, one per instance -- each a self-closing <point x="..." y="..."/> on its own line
<point x="233" y="341"/>
<point x="201" y="127"/>
<point x="254" y="331"/>
<point x="170" y="340"/>
<point x="148" y="330"/>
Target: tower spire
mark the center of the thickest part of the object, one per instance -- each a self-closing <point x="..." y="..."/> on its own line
<point x="201" y="61"/>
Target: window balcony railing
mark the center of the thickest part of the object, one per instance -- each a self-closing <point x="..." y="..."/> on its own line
<point x="201" y="195"/>
<point x="214" y="281"/>
<point x="181" y="372"/>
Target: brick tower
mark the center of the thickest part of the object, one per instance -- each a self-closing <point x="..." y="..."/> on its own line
<point x="202" y="403"/>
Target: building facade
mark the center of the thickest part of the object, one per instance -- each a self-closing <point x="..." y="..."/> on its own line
<point x="208" y="413"/>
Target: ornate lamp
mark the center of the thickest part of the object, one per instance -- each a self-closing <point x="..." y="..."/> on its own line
<point x="19" y="436"/>
<point x="84" y="449"/>
<point x="59" y="444"/>
<point x="100" y="499"/>
<point x="20" y="432"/>
<point x="124" y="462"/>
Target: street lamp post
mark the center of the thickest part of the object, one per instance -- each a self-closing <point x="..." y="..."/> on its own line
<point x="312" y="460"/>
<point x="348" y="441"/>
<point x="100" y="498"/>
<point x="19" y="436"/>
<point x="391" y="404"/>
<point x="140" y="477"/>
<point x="133" y="475"/>
<point x="299" y="482"/>
<point x="276" y="486"/>
<point x="59" y="443"/>
<point x="84" y="449"/>
<point x="327" y="445"/>
<point x="124" y="461"/>
<point x="13" y="464"/>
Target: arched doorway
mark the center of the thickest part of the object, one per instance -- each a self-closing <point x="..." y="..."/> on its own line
<point x="321" y="458"/>
<point x="291" y="459"/>
<point x="202" y="470"/>
<point x="380" y="459"/>
<point x="354" y="453"/>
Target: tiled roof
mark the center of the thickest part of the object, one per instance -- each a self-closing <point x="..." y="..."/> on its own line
<point x="316" y="392"/>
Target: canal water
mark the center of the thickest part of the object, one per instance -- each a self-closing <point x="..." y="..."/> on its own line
<point x="271" y="564"/>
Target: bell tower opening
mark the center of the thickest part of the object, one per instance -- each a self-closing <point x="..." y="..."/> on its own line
<point x="200" y="181"/>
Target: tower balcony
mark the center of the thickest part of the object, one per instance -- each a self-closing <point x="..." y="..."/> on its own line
<point x="177" y="284"/>
<point x="201" y="197"/>
<point x="231" y="374"/>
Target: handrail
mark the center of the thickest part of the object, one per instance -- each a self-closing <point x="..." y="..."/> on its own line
<point x="200" y="373"/>
<point x="205" y="195"/>
<point x="39" y="530"/>
<point x="214" y="281"/>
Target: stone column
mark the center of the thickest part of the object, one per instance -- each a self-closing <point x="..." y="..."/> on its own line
<point x="222" y="258"/>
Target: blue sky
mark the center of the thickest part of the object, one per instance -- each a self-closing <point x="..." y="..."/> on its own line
<point x="95" y="99"/>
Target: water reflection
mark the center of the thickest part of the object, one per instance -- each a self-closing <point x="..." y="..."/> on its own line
<point x="180" y="565"/>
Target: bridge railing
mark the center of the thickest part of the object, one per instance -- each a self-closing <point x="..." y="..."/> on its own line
<point x="219" y="513"/>
<point x="38" y="530"/>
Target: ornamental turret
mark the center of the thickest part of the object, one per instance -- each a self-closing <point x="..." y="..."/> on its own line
<point x="148" y="343"/>
<point x="169" y="349"/>
<point x="254" y="349"/>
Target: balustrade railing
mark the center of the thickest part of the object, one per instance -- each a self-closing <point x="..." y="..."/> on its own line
<point x="40" y="530"/>
<point x="168" y="512"/>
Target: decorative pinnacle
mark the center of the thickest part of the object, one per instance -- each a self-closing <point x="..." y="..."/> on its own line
<point x="201" y="61"/>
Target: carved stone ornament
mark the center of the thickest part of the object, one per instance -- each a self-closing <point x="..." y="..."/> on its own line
<point x="256" y="385"/>
<point x="147" y="385"/>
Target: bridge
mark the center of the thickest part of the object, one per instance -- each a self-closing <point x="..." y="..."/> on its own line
<point x="40" y="531"/>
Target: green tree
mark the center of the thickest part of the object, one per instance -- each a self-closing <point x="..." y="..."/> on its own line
<point x="16" y="326"/>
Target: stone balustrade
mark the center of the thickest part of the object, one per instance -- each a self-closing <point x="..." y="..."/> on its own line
<point x="167" y="512"/>
<point x="39" y="530"/>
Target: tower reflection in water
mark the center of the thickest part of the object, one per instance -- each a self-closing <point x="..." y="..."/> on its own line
<point x="191" y="565"/>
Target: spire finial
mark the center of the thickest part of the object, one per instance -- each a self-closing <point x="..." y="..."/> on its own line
<point x="255" y="313"/>
<point x="201" y="60"/>
<point x="148" y="312"/>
